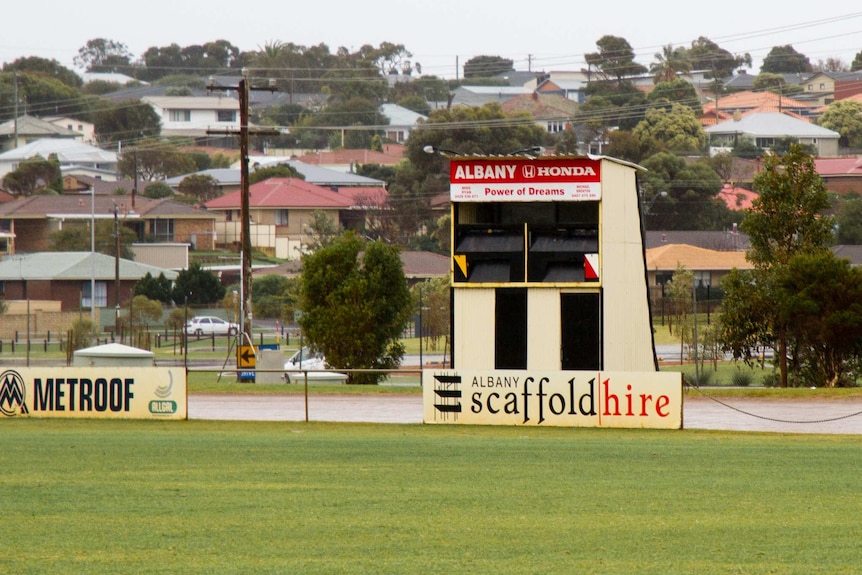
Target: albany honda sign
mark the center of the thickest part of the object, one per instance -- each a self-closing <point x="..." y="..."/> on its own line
<point x="525" y="180"/>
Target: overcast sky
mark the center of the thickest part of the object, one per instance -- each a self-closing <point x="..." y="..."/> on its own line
<point x="548" y="35"/>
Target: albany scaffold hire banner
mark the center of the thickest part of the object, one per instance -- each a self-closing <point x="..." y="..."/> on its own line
<point x="94" y="392"/>
<point x="560" y="398"/>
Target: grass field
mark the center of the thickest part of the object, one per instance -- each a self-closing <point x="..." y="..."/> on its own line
<point x="219" y="497"/>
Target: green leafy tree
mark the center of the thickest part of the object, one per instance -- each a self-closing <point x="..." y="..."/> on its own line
<point x="77" y="238"/>
<point x="670" y="63"/>
<point x="202" y="187"/>
<point x="820" y="295"/>
<point x="486" y="66"/>
<point x="145" y="310"/>
<point x="277" y="171"/>
<point x="320" y="232"/>
<point x="678" y="293"/>
<point x="43" y="95"/>
<point x="157" y="190"/>
<point x="676" y="91"/>
<point x="844" y="117"/>
<point x="45" y="67"/>
<point x="154" y="160"/>
<point x="355" y="306"/>
<point x="848" y="220"/>
<point x="270" y="296"/>
<point x="707" y="55"/>
<point x="614" y="58"/>
<point x="625" y="145"/>
<point x="154" y="288"/>
<point x="199" y="285"/>
<point x="785" y="59"/>
<point x="32" y="175"/>
<point x="744" y="147"/>
<point x="103" y="55"/>
<point x="787" y="219"/>
<point x="596" y="116"/>
<point x="433" y="296"/>
<point x="131" y="120"/>
<point x="676" y="129"/>
<point x="856" y="65"/>
<point x="691" y="201"/>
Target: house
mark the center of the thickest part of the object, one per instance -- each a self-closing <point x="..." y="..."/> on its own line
<point x="67" y="277"/>
<point x="764" y="128"/>
<point x="575" y="90"/>
<point x="477" y="96"/>
<point x="723" y="241"/>
<point x="228" y="179"/>
<point x="552" y="112"/>
<point x="832" y="86"/>
<point x="841" y="175"/>
<point x="708" y="266"/>
<point x="69" y="152"/>
<point x="738" y="104"/>
<point x="401" y="122"/>
<point x="193" y="117"/>
<point x="346" y="161"/>
<point x="29" y="129"/>
<point x="280" y="210"/>
<point x="32" y="220"/>
<point x="75" y="182"/>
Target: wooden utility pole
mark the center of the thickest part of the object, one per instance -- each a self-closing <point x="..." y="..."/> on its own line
<point x="243" y="89"/>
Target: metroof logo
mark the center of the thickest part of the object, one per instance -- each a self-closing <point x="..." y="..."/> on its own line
<point x="13" y="394"/>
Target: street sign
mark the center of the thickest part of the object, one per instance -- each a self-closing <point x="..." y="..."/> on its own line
<point x="245" y="357"/>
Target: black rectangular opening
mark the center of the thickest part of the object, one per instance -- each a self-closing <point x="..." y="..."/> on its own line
<point x="510" y="328"/>
<point x="581" y="346"/>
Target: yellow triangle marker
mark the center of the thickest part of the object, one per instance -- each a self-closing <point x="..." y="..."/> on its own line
<point x="461" y="260"/>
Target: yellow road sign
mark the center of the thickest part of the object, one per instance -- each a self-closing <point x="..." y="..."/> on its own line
<point x="245" y="357"/>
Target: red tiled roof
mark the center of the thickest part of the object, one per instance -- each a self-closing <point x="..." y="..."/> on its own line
<point x="365" y="196"/>
<point x="736" y="198"/>
<point x="283" y="193"/>
<point x="838" y="166"/>
<point x="392" y="154"/>
<point x="748" y="100"/>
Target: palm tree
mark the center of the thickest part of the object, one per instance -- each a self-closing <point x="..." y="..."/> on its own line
<point x="670" y="63"/>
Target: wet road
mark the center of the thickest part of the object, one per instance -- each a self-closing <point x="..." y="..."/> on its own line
<point x="699" y="412"/>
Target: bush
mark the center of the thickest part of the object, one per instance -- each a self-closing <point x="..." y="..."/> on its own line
<point x="702" y="379"/>
<point x="741" y="378"/>
<point x="771" y="379"/>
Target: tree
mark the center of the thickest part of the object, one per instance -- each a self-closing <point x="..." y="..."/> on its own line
<point x="614" y="59"/>
<point x="154" y="288"/>
<point x="199" y="285"/>
<point x="676" y="91"/>
<point x="272" y="296"/>
<point x="486" y="66"/>
<point x="785" y="60"/>
<point x="157" y="190"/>
<point x="47" y="68"/>
<point x="669" y="64"/>
<point x="679" y="294"/>
<point x="103" y="55"/>
<point x="131" y="120"/>
<point x="202" y="187"/>
<point x="848" y="220"/>
<point x="434" y="298"/>
<point x="785" y="220"/>
<point x="844" y="117"/>
<point x="707" y="55"/>
<point x="77" y="238"/>
<point x="355" y="307"/>
<point x="691" y="201"/>
<point x="821" y="297"/>
<point x="43" y="95"/>
<point x="277" y="171"/>
<point x="856" y="65"/>
<point x="675" y="129"/>
<point x="154" y="160"/>
<point x="34" y="174"/>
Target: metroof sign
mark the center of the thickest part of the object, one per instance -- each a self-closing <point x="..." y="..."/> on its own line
<point x="94" y="392"/>
<point x="525" y="180"/>
<point x="553" y="398"/>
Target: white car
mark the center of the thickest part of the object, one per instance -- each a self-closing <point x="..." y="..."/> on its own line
<point x="208" y="324"/>
<point x="313" y="364"/>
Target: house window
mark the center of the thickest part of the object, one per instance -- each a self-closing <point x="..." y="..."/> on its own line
<point x="226" y="115"/>
<point x="822" y="86"/>
<point x="810" y="87"/>
<point x="101" y="294"/>
<point x="702" y="279"/>
<point x="180" y="115"/>
<point x="162" y="230"/>
<point x="764" y="142"/>
<point x="281" y="217"/>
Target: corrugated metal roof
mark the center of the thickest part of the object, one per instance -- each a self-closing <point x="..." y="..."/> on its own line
<point x="772" y="124"/>
<point x="74" y="266"/>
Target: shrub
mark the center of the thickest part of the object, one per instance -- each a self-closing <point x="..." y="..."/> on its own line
<point x="741" y="378"/>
